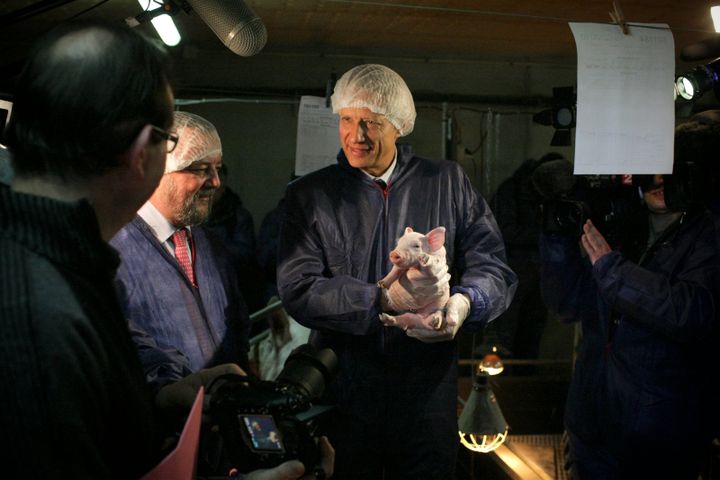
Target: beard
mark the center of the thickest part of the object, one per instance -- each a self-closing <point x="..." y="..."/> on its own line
<point x="192" y="210"/>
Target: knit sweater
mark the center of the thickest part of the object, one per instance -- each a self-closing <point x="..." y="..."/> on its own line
<point x="73" y="400"/>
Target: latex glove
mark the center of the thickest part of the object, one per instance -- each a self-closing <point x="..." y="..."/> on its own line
<point x="293" y="469"/>
<point x="412" y="292"/>
<point x="181" y="394"/>
<point x="386" y="302"/>
<point x="456" y="311"/>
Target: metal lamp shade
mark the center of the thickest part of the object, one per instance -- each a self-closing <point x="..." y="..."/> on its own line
<point x="481" y="426"/>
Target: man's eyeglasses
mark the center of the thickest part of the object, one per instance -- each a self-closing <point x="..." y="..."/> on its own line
<point x="171" y="138"/>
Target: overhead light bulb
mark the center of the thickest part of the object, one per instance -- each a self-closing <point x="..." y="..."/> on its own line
<point x="715" y="14"/>
<point x="491" y="363"/>
<point x="163" y="23"/>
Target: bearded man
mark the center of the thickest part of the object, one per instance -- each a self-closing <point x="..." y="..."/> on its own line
<point x="177" y="286"/>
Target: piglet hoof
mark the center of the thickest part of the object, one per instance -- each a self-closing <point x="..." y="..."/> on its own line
<point x="388" y="320"/>
<point x="437" y="320"/>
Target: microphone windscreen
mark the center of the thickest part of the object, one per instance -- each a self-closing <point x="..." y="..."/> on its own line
<point x="554" y="178"/>
<point x="709" y="48"/>
<point x="234" y="23"/>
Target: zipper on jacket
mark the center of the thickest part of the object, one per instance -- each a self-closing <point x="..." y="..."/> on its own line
<point x="384" y="187"/>
<point x="613" y="322"/>
<point x="665" y="238"/>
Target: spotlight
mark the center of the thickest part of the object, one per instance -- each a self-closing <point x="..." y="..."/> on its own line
<point x="699" y="81"/>
<point x="159" y="14"/>
<point x="482" y="427"/>
<point x="561" y="138"/>
<point x="561" y="116"/>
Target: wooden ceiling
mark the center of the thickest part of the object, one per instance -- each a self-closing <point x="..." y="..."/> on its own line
<point x="527" y="30"/>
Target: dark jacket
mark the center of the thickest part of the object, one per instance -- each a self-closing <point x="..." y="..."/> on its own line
<point x="73" y="398"/>
<point x="645" y="371"/>
<point x="516" y="205"/>
<point x="232" y="224"/>
<point x="334" y="245"/>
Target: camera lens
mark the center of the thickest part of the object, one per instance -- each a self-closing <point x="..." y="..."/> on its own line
<point x="308" y="371"/>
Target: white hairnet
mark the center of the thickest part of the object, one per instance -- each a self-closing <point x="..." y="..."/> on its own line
<point x="379" y="89"/>
<point x="198" y="139"/>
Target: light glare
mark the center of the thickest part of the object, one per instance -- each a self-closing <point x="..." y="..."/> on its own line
<point x="715" y="14"/>
<point x="685" y="88"/>
<point x="163" y="24"/>
<point x="166" y="29"/>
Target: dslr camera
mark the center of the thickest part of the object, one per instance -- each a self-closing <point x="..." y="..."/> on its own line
<point x="265" y="423"/>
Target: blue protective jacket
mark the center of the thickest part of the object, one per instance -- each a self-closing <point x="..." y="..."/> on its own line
<point x="645" y="373"/>
<point x="337" y="233"/>
<point x="178" y="328"/>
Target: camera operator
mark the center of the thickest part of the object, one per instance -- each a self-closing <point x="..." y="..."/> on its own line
<point x="641" y="398"/>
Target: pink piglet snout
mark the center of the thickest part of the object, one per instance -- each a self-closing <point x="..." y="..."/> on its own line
<point x="395" y="257"/>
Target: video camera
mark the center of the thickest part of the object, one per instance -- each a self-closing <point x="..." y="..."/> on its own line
<point x="614" y="206"/>
<point x="264" y="423"/>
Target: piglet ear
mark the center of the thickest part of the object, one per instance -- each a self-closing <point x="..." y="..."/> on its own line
<point x="408" y="229"/>
<point x="436" y="238"/>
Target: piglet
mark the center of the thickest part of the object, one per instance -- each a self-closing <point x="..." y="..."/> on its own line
<point x="418" y="259"/>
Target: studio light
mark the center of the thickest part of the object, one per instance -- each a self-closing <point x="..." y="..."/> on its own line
<point x="698" y="81"/>
<point x="561" y="138"/>
<point x="482" y="427"/>
<point x="158" y="12"/>
<point x="561" y="116"/>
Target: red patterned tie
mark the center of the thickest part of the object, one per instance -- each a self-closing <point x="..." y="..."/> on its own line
<point x="182" y="254"/>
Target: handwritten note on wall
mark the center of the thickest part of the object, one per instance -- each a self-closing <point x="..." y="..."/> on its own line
<point x="625" y="109"/>
<point x="317" y="136"/>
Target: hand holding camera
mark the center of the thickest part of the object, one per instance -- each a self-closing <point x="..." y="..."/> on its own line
<point x="181" y="394"/>
<point x="294" y="469"/>
<point x="267" y="425"/>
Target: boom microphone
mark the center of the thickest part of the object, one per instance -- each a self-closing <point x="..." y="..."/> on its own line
<point x="553" y="178"/>
<point x="234" y="23"/>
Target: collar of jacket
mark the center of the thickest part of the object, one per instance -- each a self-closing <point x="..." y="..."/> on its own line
<point x="669" y="234"/>
<point x="66" y="233"/>
<point x="404" y="155"/>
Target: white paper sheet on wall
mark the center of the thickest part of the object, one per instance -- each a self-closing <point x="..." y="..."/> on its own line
<point x="625" y="106"/>
<point x="317" y="136"/>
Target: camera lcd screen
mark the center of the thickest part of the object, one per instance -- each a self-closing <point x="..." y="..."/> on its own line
<point x="261" y="433"/>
